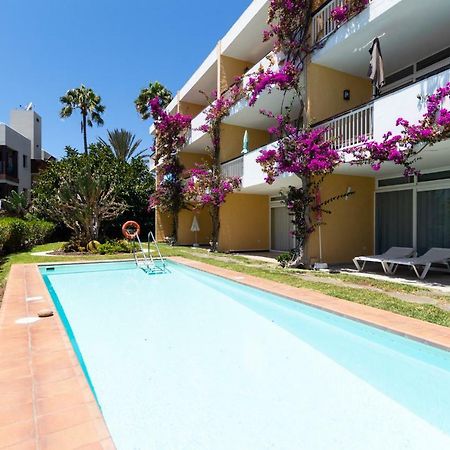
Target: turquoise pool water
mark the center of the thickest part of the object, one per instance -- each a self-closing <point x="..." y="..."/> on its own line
<point x="190" y="361"/>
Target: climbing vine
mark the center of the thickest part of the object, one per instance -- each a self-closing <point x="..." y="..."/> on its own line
<point x="206" y="184"/>
<point x="299" y="151"/>
<point x="171" y="133"/>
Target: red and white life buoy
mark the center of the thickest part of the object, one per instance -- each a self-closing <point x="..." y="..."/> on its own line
<point x="130" y="225"/>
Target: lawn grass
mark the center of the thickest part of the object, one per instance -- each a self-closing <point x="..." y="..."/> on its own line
<point x="381" y="300"/>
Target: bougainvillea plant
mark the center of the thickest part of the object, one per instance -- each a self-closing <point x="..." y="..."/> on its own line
<point x="342" y="13"/>
<point x="310" y="156"/>
<point x="299" y="151"/>
<point x="212" y="181"/>
<point x="171" y="132"/>
<point x="405" y="148"/>
<point x="207" y="187"/>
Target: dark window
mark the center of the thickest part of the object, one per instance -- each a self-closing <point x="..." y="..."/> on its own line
<point x="433" y="219"/>
<point x="395" y="181"/>
<point x="397" y="76"/>
<point x="433" y="59"/>
<point x="8" y="162"/>
<point x="24" y="160"/>
<point x="434" y="176"/>
<point x="393" y="220"/>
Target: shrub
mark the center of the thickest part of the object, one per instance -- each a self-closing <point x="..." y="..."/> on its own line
<point x="285" y="258"/>
<point x="111" y="247"/>
<point x="18" y="234"/>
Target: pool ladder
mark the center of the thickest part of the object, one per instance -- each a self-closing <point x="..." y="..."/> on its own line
<point x="148" y="263"/>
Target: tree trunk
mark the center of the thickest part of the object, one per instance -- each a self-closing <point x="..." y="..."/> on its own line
<point x="303" y="226"/>
<point x="214" y="212"/>
<point x="174" y="236"/>
<point x="85" y="133"/>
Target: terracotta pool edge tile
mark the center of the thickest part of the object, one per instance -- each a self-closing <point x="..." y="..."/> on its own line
<point x="25" y="280"/>
<point x="421" y="331"/>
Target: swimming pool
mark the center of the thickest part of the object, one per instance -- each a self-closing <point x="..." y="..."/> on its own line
<point x="187" y="360"/>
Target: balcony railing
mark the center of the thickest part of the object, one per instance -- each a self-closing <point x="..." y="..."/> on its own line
<point x="234" y="168"/>
<point x="322" y="22"/>
<point x="348" y="129"/>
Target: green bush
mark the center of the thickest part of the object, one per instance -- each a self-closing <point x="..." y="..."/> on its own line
<point x="111" y="247"/>
<point x="19" y="234"/>
<point x="285" y="258"/>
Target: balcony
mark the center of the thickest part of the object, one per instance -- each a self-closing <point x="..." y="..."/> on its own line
<point x="346" y="130"/>
<point x="404" y="36"/>
<point x="241" y="114"/>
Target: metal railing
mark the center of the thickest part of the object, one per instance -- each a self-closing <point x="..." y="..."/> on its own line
<point x="347" y="130"/>
<point x="234" y="168"/>
<point x="322" y="22"/>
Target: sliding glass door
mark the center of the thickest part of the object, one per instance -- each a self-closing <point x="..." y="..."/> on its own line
<point x="394" y="220"/>
<point x="433" y="219"/>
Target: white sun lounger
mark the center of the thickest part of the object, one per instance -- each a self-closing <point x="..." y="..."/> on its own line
<point x="433" y="256"/>
<point x="392" y="253"/>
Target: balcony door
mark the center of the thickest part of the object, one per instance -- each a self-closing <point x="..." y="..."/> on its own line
<point x="394" y="219"/>
<point x="433" y="219"/>
<point x="281" y="226"/>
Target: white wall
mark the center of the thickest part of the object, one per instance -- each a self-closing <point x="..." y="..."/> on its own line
<point x="404" y="103"/>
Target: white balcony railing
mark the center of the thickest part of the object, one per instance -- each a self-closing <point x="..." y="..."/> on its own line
<point x="348" y="129"/>
<point x="234" y="168"/>
<point x="322" y="22"/>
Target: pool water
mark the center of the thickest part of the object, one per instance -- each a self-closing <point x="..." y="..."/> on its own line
<point x="190" y="361"/>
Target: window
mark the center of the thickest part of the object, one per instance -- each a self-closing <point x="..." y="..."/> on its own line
<point x="24" y="161"/>
<point x="394" y="224"/>
<point x="395" y="181"/>
<point x="433" y="219"/>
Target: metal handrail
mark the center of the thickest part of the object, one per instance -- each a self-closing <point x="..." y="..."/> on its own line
<point x="151" y="235"/>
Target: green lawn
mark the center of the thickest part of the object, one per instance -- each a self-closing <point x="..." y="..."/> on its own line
<point x="381" y="298"/>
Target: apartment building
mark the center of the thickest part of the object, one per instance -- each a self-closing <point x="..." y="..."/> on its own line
<point x="21" y="152"/>
<point x="387" y="209"/>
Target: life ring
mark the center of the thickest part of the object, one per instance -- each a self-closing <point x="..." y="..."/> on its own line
<point x="126" y="229"/>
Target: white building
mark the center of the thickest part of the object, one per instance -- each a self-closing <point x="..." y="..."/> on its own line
<point x="21" y="152"/>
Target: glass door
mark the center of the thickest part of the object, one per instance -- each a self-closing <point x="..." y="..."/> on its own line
<point x="433" y="219"/>
<point x="394" y="214"/>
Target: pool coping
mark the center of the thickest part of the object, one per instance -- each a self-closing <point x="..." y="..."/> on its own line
<point x="419" y="330"/>
<point x="46" y="400"/>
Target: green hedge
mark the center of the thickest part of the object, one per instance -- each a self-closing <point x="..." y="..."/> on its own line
<point x="19" y="234"/>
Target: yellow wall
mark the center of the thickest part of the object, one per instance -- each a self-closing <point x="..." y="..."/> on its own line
<point x="244" y="222"/>
<point x="164" y="222"/>
<point x="185" y="235"/>
<point x="348" y="230"/>
<point x="163" y="225"/>
<point x="232" y="137"/>
<point x="317" y="3"/>
<point x="190" y="159"/>
<point x="230" y="68"/>
<point x="325" y="92"/>
<point x="191" y="109"/>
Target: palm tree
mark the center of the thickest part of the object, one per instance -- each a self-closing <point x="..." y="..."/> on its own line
<point x="88" y="103"/>
<point x="153" y="90"/>
<point x="123" y="144"/>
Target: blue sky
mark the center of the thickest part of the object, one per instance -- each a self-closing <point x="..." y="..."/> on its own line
<point x="114" y="46"/>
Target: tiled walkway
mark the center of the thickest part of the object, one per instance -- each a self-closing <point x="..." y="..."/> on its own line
<point x="45" y="401"/>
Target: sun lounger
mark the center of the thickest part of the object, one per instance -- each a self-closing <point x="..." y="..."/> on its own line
<point x="392" y="253"/>
<point x="433" y="256"/>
